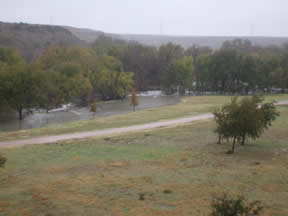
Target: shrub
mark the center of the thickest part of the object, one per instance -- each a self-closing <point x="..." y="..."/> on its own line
<point x="228" y="206"/>
<point x="141" y="196"/>
<point x="167" y="191"/>
<point x="2" y="161"/>
<point x="93" y="107"/>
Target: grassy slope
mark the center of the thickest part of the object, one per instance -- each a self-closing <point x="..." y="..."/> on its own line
<point x="189" y="106"/>
<point x="105" y="176"/>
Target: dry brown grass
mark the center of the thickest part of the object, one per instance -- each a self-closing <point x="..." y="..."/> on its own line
<point x="106" y="177"/>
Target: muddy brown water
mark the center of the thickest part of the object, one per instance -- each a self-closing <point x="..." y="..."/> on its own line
<point x="41" y="119"/>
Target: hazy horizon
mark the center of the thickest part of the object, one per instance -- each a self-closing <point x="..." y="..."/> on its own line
<point x="172" y="18"/>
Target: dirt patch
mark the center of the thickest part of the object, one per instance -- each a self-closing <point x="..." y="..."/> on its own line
<point x="141" y="180"/>
<point x="119" y="164"/>
<point x="273" y="188"/>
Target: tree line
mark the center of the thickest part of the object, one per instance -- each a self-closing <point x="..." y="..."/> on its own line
<point x="238" y="67"/>
<point x="59" y="76"/>
<point x="109" y="68"/>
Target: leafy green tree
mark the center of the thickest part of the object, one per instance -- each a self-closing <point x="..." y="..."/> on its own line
<point x="88" y="73"/>
<point x="76" y="84"/>
<point x="266" y="66"/>
<point x="20" y="87"/>
<point x="279" y="78"/>
<point x="170" y="52"/>
<point x="247" y="117"/>
<point x="195" y="52"/>
<point x="53" y="90"/>
<point x="10" y="56"/>
<point x="246" y="78"/>
<point x="70" y="68"/>
<point x="143" y="61"/>
<point x="57" y="55"/>
<point x="179" y="75"/>
<point x="223" y="69"/>
<point x="167" y="54"/>
<point x="109" y="79"/>
<point x="227" y="71"/>
<point x="278" y="75"/>
<point x="239" y="45"/>
<point x="202" y="73"/>
<point x="220" y="117"/>
<point x="226" y="120"/>
<point x="105" y="45"/>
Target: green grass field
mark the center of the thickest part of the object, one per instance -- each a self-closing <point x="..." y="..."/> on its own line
<point x="176" y="170"/>
<point x="189" y="106"/>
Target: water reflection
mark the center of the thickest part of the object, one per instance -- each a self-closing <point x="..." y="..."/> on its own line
<point x="36" y="120"/>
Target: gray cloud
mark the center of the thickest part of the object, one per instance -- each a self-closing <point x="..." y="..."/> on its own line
<point x="172" y="17"/>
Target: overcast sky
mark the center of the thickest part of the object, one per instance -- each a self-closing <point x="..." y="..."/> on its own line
<point x="169" y="17"/>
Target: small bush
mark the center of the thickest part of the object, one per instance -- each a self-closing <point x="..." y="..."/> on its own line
<point x="2" y="161"/>
<point x="227" y="206"/>
<point x="93" y="107"/>
<point x="167" y="191"/>
<point x="141" y="196"/>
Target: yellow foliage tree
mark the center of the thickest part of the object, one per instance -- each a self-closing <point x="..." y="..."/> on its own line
<point x="134" y="99"/>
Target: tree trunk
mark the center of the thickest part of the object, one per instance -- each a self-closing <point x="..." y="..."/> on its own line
<point x="233" y="147"/>
<point x="20" y="114"/>
<point x="243" y="139"/>
<point x="219" y="139"/>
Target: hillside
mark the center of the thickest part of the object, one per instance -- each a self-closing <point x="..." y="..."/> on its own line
<point x="89" y="36"/>
<point x="30" y="40"/>
<point x="84" y="34"/>
<point x="186" y="41"/>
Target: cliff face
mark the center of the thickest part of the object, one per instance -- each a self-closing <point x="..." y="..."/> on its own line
<point x="31" y="40"/>
<point x="84" y="34"/>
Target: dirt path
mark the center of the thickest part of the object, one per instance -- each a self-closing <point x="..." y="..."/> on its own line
<point x="112" y="131"/>
<point x="106" y="132"/>
<point x="282" y="102"/>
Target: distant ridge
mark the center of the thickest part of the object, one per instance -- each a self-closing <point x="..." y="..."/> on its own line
<point x="214" y="42"/>
<point x="32" y="39"/>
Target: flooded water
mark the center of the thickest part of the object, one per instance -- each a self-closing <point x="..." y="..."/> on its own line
<point x="147" y="99"/>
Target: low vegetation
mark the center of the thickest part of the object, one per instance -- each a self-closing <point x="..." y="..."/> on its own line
<point x="229" y="206"/>
<point x="127" y="175"/>
<point x="2" y="161"/>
